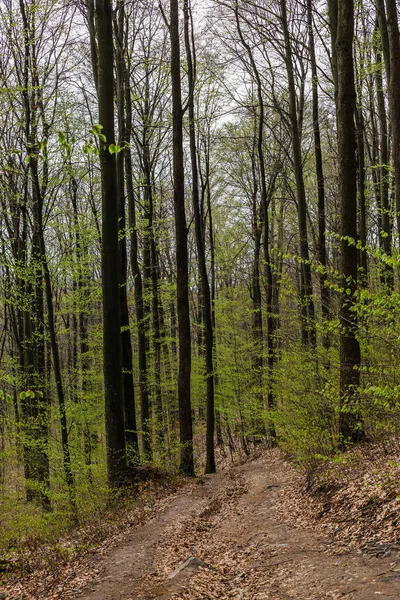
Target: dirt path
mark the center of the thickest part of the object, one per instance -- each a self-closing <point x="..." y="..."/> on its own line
<point x="233" y="522"/>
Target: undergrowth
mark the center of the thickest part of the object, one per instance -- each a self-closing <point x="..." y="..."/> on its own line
<point x="32" y="541"/>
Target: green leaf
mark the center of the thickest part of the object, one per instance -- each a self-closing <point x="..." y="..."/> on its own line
<point x="96" y="129"/>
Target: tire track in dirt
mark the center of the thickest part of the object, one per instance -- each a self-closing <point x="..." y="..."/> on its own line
<point x="234" y="523"/>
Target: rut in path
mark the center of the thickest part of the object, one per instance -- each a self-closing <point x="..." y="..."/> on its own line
<point x="233" y="522"/>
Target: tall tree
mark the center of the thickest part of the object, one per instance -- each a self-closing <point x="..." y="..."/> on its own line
<point x="205" y="299"/>
<point x="266" y="192"/>
<point x="350" y="424"/>
<point x="321" y="247"/>
<point x="112" y="367"/>
<point x="382" y="184"/>
<point x="307" y="302"/>
<point x="126" y="344"/>
<point x="134" y="259"/>
<point x="185" y="414"/>
<point x="393" y="87"/>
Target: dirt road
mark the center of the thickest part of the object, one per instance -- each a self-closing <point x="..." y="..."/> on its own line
<point x="247" y="549"/>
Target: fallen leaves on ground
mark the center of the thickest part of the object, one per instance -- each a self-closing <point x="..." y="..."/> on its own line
<point x="355" y="500"/>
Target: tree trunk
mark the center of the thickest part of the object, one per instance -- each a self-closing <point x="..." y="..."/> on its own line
<point x="137" y="277"/>
<point x="394" y="91"/>
<point x="185" y="412"/>
<point x="201" y="252"/>
<point x="112" y="367"/>
<point x="321" y="247"/>
<point x="307" y="302"/>
<point x="385" y="233"/>
<point x="126" y="344"/>
<point x="350" y="422"/>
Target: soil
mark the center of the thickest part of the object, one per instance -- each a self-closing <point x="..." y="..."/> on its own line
<point x="250" y="532"/>
<point x="251" y="544"/>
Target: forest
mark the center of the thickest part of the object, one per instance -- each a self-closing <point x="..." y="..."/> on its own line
<point x="200" y="218"/>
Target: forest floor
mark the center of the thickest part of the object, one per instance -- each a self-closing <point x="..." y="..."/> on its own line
<point x="256" y="534"/>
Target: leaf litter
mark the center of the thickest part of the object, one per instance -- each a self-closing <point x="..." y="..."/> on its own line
<point x="257" y="533"/>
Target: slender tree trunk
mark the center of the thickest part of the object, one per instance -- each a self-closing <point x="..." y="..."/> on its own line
<point x="126" y="344"/>
<point x="82" y="320"/>
<point x="151" y="272"/>
<point x="69" y="478"/>
<point x="138" y="281"/>
<point x="385" y="233"/>
<point x="350" y="423"/>
<point x="201" y="251"/>
<point x="112" y="367"/>
<point x="333" y="24"/>
<point x="362" y="209"/>
<point x="394" y="91"/>
<point x="257" y="322"/>
<point x="151" y="283"/>
<point x="307" y="302"/>
<point x="383" y="26"/>
<point x="207" y="193"/>
<point x="321" y="247"/>
<point x="265" y="198"/>
<point x="185" y="412"/>
<point x="34" y="410"/>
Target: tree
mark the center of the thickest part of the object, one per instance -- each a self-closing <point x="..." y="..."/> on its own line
<point x="321" y="247"/>
<point x="392" y="46"/>
<point x="266" y="194"/>
<point x="131" y="437"/>
<point x="350" y="425"/>
<point x="185" y="415"/>
<point x="112" y="367"/>
<point x="307" y="302"/>
<point x="205" y="298"/>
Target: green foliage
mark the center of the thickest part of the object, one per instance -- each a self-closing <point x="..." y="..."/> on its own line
<point x="306" y="415"/>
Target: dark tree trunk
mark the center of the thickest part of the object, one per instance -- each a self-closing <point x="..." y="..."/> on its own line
<point x="385" y="225"/>
<point x="362" y="209"/>
<point x="212" y="281"/>
<point x="138" y="281"/>
<point x="383" y="26"/>
<point x="350" y="423"/>
<point x="265" y="199"/>
<point x="59" y="385"/>
<point x="205" y="299"/>
<point x="112" y="367"/>
<point x="185" y="412"/>
<point x="131" y="437"/>
<point x="151" y="305"/>
<point x="321" y="246"/>
<point x="394" y="90"/>
<point x="34" y="410"/>
<point x="82" y="309"/>
<point x="307" y="302"/>
<point x="333" y="24"/>
<point x="257" y="323"/>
